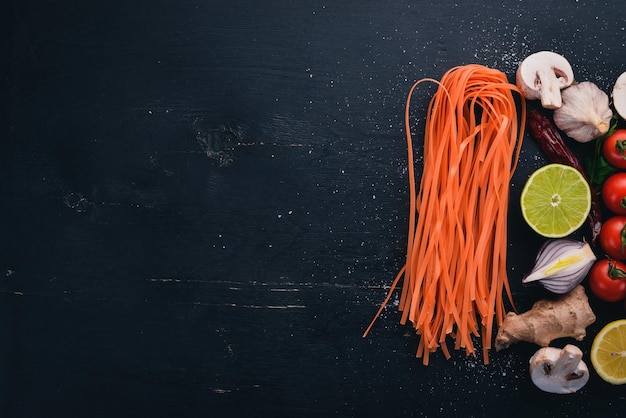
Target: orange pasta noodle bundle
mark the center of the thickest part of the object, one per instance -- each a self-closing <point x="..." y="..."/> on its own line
<point x="455" y="273"/>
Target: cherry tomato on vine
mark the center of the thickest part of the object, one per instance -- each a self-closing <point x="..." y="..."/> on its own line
<point x="612" y="237"/>
<point x="607" y="280"/>
<point x="614" y="149"/>
<point x="614" y="193"/>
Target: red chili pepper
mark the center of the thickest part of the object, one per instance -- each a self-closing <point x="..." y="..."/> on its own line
<point x="552" y="144"/>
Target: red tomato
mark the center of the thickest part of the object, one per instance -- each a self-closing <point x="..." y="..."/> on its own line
<point x="614" y="193"/>
<point x="607" y="280"/>
<point x="613" y="237"/>
<point x="614" y="149"/>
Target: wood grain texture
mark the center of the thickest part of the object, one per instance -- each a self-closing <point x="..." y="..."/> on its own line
<point x="203" y="203"/>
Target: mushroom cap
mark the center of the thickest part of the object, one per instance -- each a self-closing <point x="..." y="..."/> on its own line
<point x="619" y="95"/>
<point x="542" y="75"/>
<point x="559" y="371"/>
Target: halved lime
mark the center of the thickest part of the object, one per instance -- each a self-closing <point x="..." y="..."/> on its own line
<point x="555" y="200"/>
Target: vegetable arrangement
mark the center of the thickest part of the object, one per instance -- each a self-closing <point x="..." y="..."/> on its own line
<point x="455" y="273"/>
<point x="583" y="113"/>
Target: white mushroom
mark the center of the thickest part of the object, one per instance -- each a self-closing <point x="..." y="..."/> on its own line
<point x="557" y="370"/>
<point x="543" y="75"/>
<point x="619" y="95"/>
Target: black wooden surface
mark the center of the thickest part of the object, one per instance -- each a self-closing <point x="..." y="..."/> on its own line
<point x="203" y="203"/>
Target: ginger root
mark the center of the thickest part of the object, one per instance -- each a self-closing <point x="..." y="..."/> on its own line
<point x="567" y="316"/>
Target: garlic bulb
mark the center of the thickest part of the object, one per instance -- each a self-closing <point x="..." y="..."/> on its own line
<point x="561" y="265"/>
<point x="585" y="114"/>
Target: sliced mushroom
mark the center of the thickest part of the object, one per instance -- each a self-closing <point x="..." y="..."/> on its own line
<point x="557" y="370"/>
<point x="619" y="95"/>
<point x="543" y="75"/>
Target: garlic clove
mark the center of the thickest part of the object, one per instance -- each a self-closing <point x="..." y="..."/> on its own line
<point x="561" y="264"/>
<point x="585" y="114"/>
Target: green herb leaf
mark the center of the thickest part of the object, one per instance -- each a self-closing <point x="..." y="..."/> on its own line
<point x="612" y="126"/>
<point x="598" y="169"/>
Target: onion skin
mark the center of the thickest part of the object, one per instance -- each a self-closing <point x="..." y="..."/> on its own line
<point x="561" y="264"/>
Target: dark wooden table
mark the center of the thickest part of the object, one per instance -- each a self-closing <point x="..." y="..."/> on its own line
<point x="204" y="202"/>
